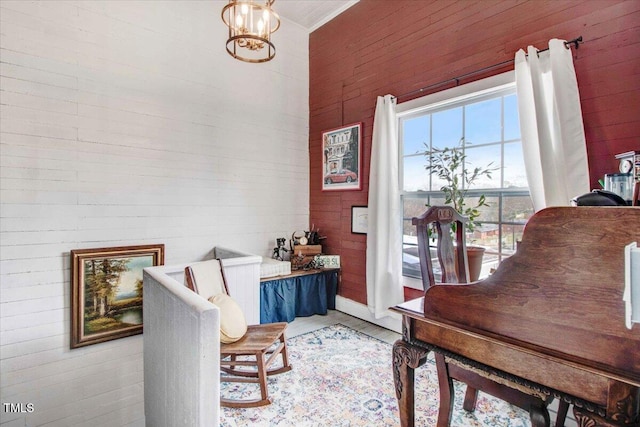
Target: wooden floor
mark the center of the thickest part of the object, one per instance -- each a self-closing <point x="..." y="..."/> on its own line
<point x="302" y="325"/>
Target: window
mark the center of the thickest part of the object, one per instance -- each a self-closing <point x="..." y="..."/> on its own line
<point x="482" y="117"/>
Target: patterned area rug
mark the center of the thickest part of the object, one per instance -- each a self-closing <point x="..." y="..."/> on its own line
<point x="342" y="377"/>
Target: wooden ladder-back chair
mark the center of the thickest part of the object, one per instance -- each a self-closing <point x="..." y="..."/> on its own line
<point x="248" y="359"/>
<point x="454" y="269"/>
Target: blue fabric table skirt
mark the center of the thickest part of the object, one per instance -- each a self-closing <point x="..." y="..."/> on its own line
<point x="285" y="298"/>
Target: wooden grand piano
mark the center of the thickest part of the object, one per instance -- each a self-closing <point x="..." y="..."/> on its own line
<point x="551" y="319"/>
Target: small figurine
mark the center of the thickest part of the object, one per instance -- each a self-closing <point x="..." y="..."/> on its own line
<point x="279" y="250"/>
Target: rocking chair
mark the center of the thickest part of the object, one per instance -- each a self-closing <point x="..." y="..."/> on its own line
<point x="244" y="357"/>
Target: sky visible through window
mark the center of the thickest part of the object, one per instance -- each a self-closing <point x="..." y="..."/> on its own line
<point x="482" y="126"/>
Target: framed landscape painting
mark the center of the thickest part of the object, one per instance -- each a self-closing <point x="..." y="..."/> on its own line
<point x="341" y="158"/>
<point x="106" y="291"/>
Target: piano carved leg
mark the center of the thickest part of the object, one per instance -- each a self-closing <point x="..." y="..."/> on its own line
<point x="406" y="358"/>
<point x="446" y="392"/>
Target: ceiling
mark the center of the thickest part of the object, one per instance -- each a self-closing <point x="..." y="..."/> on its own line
<point x="311" y="14"/>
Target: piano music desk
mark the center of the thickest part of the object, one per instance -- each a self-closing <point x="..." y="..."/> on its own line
<point x="549" y="320"/>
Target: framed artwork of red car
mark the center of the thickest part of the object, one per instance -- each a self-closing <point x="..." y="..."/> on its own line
<point x="341" y="158"/>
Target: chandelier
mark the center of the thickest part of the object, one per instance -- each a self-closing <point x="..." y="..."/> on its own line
<point x="251" y="23"/>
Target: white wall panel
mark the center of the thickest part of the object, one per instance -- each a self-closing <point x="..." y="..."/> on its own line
<point x="126" y="123"/>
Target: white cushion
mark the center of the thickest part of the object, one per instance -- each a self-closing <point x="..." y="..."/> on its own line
<point x="208" y="278"/>
<point x="233" y="325"/>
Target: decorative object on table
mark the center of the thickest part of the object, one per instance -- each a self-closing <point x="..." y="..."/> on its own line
<point x="296" y="237"/>
<point x="251" y="23"/>
<point x="303" y="256"/>
<point x="359" y="219"/>
<point x="106" y="291"/>
<point x="327" y="261"/>
<point x="313" y="236"/>
<point x="449" y="164"/>
<point x="629" y="162"/>
<point x="626" y="183"/>
<point x="341" y="158"/>
<point x="302" y="262"/>
<point x="306" y="250"/>
<point x="280" y="250"/>
<point x="304" y="245"/>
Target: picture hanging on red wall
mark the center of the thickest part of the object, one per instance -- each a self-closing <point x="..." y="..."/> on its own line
<point x="341" y="158"/>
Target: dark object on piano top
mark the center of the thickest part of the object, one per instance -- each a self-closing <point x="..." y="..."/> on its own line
<point x="599" y="198"/>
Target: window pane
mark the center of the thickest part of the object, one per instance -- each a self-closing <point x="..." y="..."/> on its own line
<point x="489" y="213"/>
<point x="447" y="128"/>
<point x="482" y="122"/>
<point x="410" y="259"/>
<point x="487" y="157"/>
<point x="511" y="234"/>
<point x="415" y="133"/>
<point x="437" y="183"/>
<point x="517" y="209"/>
<point x="413" y="207"/>
<point x="414" y="175"/>
<point x="487" y="236"/>
<point x="511" y="118"/>
<point x="514" y="172"/>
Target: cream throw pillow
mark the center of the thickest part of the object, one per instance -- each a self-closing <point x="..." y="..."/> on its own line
<point x="233" y="325"/>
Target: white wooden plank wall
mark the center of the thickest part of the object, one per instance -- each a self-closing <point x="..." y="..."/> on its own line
<point x="126" y="122"/>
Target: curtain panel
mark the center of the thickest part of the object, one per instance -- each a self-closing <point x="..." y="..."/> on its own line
<point x="384" y="234"/>
<point x="553" y="141"/>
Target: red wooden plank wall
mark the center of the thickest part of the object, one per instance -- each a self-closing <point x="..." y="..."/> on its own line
<point x="381" y="46"/>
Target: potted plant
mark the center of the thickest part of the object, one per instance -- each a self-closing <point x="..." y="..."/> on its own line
<point x="450" y="165"/>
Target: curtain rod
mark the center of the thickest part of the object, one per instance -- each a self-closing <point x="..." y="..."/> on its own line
<point x="568" y="44"/>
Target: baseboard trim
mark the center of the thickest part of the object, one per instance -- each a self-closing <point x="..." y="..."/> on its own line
<point x="393" y="321"/>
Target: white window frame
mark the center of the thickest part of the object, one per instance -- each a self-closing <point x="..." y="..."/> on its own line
<point x="465" y="93"/>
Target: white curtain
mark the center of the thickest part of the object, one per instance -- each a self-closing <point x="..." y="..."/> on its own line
<point x="384" y="233"/>
<point x="553" y="142"/>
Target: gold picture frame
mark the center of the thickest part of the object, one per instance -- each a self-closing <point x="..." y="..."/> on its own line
<point x="106" y="291"/>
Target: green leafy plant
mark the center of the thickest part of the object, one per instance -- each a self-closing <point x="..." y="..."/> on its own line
<point x="450" y="165"/>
